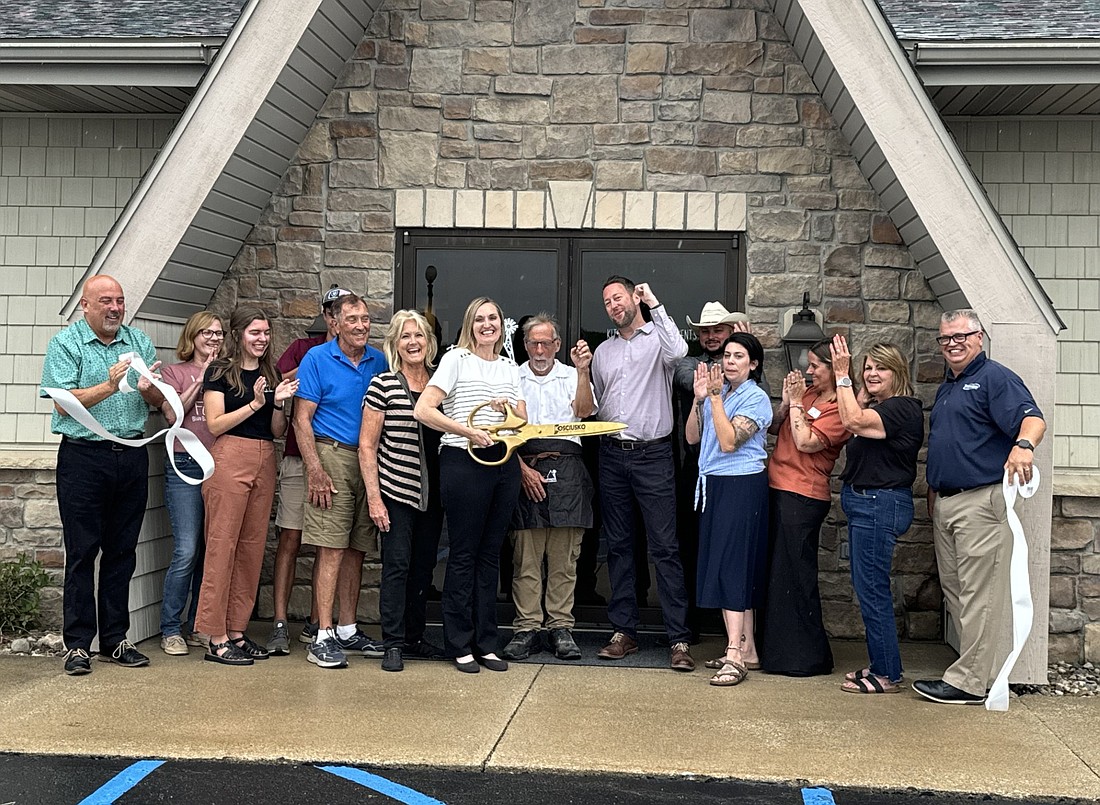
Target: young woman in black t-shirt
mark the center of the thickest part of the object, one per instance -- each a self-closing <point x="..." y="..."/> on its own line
<point x="887" y="424"/>
<point x="244" y="410"/>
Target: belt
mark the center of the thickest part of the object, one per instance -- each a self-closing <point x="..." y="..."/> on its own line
<point x="99" y="445"/>
<point x="635" y="444"/>
<point x="351" y="448"/>
<point x="949" y="493"/>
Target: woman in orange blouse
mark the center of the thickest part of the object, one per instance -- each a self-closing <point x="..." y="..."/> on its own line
<point x="810" y="436"/>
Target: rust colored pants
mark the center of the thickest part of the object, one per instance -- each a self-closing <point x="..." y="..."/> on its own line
<point x="238" y="498"/>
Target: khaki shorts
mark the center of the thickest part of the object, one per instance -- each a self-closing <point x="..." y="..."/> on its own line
<point x="292" y="493"/>
<point x="347" y="524"/>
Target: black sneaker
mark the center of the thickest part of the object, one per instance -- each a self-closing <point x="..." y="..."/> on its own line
<point x="308" y="633"/>
<point x="364" y="643"/>
<point x="77" y="662"/>
<point x="393" y="661"/>
<point x="522" y="645"/>
<point x="125" y="654"/>
<point x="563" y="645"/>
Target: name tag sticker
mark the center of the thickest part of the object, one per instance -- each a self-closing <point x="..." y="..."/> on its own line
<point x="813" y="412"/>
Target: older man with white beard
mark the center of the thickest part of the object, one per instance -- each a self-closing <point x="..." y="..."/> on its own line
<point x="555" y="504"/>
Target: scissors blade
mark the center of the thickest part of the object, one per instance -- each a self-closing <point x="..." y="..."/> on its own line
<point x="560" y="429"/>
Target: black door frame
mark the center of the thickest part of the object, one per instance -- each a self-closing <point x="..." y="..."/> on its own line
<point x="571" y="246"/>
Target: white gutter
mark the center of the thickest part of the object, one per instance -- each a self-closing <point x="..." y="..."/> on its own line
<point x="1006" y="63"/>
<point x="162" y="158"/>
<point x="199" y="50"/>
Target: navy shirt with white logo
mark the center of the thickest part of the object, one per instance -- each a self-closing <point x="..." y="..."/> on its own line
<point x="974" y="423"/>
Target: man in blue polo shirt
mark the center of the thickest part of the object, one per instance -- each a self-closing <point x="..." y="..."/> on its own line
<point x="332" y="380"/>
<point x="101" y="485"/>
<point x="984" y="423"/>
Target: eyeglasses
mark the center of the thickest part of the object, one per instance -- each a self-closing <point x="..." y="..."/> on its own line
<point x="541" y="345"/>
<point x="212" y="333"/>
<point x="954" y="338"/>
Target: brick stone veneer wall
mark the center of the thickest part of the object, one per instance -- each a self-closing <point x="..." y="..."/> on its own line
<point x="678" y="98"/>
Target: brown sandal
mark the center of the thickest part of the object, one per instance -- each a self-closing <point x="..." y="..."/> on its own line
<point x="871" y="684"/>
<point x="730" y="674"/>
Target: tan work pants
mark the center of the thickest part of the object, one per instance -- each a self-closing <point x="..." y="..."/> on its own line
<point x="560" y="547"/>
<point x="973" y="550"/>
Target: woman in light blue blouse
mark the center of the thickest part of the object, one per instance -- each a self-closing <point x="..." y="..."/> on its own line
<point x="729" y="422"/>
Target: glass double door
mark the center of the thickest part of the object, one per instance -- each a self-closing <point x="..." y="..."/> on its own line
<point x="564" y="276"/>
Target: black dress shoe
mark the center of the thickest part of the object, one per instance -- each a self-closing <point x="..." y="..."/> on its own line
<point x="944" y="692"/>
<point x="470" y="667"/>
<point x="423" y="650"/>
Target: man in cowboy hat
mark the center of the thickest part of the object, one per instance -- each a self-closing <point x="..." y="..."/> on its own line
<point x="715" y="325"/>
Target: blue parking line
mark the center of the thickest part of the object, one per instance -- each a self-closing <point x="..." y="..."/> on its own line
<point x="381" y="785"/>
<point x="817" y="796"/>
<point x="121" y="782"/>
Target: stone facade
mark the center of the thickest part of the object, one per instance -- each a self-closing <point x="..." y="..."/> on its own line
<point x="681" y="97"/>
<point x="31" y="525"/>
<point x="1075" y="580"/>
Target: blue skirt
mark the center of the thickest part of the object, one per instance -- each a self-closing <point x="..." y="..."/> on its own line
<point x="733" y="542"/>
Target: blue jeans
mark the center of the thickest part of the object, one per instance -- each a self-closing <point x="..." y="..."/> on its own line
<point x="184" y="576"/>
<point x="876" y="518"/>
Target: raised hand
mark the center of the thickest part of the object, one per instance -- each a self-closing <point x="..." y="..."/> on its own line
<point x="842" y="358"/>
<point x="643" y="293"/>
<point x="715" y="379"/>
<point x="581" y="355"/>
<point x="699" y="382"/>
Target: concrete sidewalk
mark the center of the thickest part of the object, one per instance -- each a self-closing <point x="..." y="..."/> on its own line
<point x="557" y="718"/>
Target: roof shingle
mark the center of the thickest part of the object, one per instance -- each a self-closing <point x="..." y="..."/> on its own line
<point x="69" y="19"/>
<point x="960" y="20"/>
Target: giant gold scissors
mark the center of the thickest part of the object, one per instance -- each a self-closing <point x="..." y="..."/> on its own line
<point x="520" y="431"/>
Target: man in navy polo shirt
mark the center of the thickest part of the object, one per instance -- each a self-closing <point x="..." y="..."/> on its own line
<point x="984" y="423"/>
<point x="332" y="380"/>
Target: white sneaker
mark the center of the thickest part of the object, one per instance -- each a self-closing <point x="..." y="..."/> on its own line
<point x="173" y="644"/>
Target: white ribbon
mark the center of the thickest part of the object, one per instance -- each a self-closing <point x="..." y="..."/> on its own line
<point x="1019" y="586"/>
<point x="191" y="443"/>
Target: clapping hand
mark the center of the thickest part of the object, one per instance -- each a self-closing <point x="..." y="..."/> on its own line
<point x="699" y="382"/>
<point x="259" y="391"/>
<point x="794" y="387"/>
<point x="841" y="357"/>
<point x="285" y="390"/>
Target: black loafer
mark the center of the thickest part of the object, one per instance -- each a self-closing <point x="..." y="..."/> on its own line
<point x="493" y="664"/>
<point x="470" y="667"/>
<point x="942" y="692"/>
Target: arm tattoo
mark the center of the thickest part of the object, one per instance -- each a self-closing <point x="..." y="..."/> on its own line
<point x="744" y="429"/>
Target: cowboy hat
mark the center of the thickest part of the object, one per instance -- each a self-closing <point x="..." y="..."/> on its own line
<point x="715" y="313"/>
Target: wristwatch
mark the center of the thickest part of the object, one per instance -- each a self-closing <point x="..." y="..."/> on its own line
<point x="1024" y="443"/>
<point x="844" y="382"/>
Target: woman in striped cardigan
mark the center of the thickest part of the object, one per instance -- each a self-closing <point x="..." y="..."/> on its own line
<point x="399" y="459"/>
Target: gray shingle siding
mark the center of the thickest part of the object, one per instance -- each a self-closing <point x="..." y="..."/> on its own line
<point x="66" y="19"/>
<point x="960" y="20"/>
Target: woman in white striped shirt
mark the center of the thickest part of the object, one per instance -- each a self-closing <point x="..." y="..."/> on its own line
<point x="478" y="500"/>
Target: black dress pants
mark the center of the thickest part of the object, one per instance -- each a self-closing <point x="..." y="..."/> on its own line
<point x="478" y="502"/>
<point x="409" y="551"/>
<point x="101" y="493"/>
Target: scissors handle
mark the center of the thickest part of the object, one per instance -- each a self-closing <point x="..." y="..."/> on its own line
<point x="512" y="421"/>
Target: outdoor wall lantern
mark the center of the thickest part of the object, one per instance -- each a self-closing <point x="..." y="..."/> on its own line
<point x="804" y="332"/>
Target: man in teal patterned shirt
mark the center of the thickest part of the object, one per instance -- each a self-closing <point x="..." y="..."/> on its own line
<point x="101" y="485"/>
